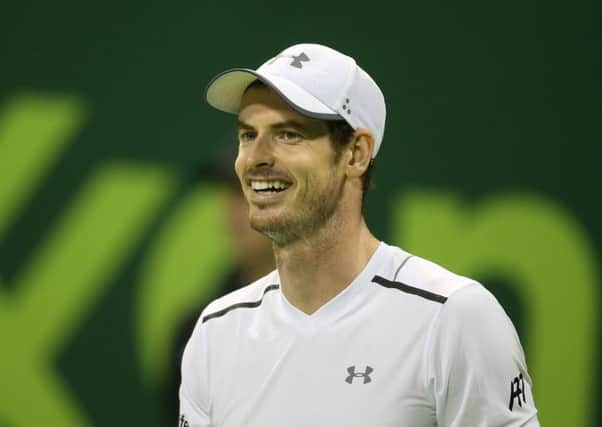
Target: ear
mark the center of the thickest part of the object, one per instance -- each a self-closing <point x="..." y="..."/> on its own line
<point x="361" y="148"/>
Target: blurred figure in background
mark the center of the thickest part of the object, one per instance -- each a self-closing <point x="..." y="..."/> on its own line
<point x="253" y="256"/>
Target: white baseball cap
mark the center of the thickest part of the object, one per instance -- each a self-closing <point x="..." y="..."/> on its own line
<point x="315" y="80"/>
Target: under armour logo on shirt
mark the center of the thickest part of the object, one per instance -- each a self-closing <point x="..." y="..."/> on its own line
<point x="517" y="391"/>
<point x="365" y="375"/>
<point x="298" y="60"/>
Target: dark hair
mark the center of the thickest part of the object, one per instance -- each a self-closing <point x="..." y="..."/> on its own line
<point x="340" y="136"/>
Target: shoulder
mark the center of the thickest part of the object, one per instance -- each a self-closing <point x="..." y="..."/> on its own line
<point x="475" y="318"/>
<point x="412" y="274"/>
<point x="246" y="297"/>
<point x="462" y="299"/>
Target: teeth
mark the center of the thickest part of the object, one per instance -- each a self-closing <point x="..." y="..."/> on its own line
<point x="268" y="185"/>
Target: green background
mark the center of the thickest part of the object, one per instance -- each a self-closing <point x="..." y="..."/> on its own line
<point x="489" y="166"/>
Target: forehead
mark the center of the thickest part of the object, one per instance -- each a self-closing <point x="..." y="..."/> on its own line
<point x="260" y="103"/>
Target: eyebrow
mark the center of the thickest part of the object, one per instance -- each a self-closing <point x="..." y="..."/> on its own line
<point x="280" y="125"/>
<point x="242" y="125"/>
<point x="290" y="124"/>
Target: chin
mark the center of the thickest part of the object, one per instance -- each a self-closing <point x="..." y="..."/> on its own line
<point x="266" y="217"/>
<point x="275" y="227"/>
<point x="265" y="223"/>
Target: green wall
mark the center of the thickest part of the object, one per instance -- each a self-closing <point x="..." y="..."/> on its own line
<point x="108" y="237"/>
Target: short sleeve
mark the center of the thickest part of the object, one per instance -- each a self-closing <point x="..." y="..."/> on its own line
<point x="194" y="388"/>
<point x="477" y="371"/>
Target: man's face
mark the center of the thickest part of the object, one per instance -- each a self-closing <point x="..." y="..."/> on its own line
<point x="286" y="166"/>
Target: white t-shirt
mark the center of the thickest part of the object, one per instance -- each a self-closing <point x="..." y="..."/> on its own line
<point x="406" y="344"/>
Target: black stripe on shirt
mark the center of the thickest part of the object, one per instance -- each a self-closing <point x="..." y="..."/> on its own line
<point x="409" y="289"/>
<point x="252" y="304"/>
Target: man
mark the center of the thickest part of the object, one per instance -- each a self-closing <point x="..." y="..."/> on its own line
<point x="347" y="331"/>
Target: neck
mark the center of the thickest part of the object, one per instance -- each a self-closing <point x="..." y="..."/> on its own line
<point x="315" y="269"/>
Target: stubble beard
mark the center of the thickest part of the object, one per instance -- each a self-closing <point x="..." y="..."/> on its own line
<point x="317" y="208"/>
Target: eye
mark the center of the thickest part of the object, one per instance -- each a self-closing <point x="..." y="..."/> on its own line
<point x="287" y="136"/>
<point x="246" y="135"/>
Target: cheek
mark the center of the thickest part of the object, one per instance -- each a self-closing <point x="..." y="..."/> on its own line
<point x="239" y="165"/>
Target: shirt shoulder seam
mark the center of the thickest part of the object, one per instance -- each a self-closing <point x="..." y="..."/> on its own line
<point x="245" y="304"/>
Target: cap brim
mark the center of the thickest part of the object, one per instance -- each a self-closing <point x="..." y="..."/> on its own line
<point x="225" y="92"/>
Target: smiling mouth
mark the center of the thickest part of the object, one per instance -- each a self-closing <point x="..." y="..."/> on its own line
<point x="269" y="187"/>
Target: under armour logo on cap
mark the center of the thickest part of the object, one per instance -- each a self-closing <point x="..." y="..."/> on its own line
<point x="298" y="60"/>
<point x="364" y="375"/>
<point x="316" y="81"/>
